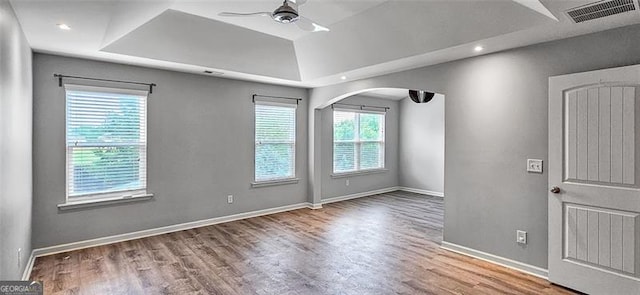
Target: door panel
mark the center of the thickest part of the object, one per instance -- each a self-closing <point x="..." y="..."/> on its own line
<point x="594" y="221"/>
<point x="599" y="124"/>
<point x="594" y="234"/>
<point x="604" y="140"/>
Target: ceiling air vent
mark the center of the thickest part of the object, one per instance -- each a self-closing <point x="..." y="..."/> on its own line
<point x="601" y="9"/>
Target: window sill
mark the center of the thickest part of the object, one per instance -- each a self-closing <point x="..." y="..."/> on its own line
<point x="275" y="182"/>
<point x="103" y="202"/>
<point x="358" y="173"/>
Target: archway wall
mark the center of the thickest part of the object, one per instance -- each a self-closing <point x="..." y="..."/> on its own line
<point x="412" y="79"/>
<point x="421" y="145"/>
<point x="495" y="119"/>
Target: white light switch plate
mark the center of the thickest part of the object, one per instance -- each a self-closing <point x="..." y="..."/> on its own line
<point x="534" y="165"/>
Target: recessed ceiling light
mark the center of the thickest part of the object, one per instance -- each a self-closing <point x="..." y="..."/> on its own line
<point x="343" y="77"/>
<point x="478" y="48"/>
<point x="64" y="27"/>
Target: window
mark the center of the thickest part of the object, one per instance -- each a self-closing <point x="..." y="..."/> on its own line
<point x="106" y="142"/>
<point x="275" y="141"/>
<point x="358" y="141"/>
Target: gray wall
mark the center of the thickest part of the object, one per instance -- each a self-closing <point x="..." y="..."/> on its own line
<point x="422" y="144"/>
<point x="336" y="187"/>
<point x="15" y="145"/>
<point x="496" y="118"/>
<point x="200" y="149"/>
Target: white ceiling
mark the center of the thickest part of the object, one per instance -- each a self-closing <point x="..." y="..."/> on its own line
<point x="324" y="12"/>
<point x="210" y="43"/>
<point x="367" y="37"/>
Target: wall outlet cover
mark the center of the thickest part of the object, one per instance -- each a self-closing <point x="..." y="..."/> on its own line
<point x="521" y="237"/>
<point x="230" y="199"/>
<point x="534" y="165"/>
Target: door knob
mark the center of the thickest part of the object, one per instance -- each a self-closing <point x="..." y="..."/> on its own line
<point x="555" y="190"/>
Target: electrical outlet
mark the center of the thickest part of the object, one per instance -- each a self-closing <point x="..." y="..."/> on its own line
<point x="230" y="199"/>
<point x="346" y="182"/>
<point x="534" y="165"/>
<point x="19" y="257"/>
<point x="521" y="237"/>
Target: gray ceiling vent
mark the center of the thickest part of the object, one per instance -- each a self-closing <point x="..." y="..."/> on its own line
<point x="601" y="9"/>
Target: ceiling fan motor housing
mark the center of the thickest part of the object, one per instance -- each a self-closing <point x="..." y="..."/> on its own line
<point x="285" y="14"/>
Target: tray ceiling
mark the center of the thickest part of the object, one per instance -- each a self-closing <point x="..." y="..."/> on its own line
<point x="185" y="38"/>
<point x="367" y="37"/>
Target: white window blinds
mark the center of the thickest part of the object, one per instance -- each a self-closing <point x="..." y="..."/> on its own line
<point x="275" y="141"/>
<point x="358" y="141"/>
<point x="106" y="141"/>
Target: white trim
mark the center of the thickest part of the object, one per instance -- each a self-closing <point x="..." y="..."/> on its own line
<point x="111" y="90"/>
<point x="284" y="104"/>
<point x="358" y="142"/>
<point x="86" y="203"/>
<point x="142" y="96"/>
<point x="506" y="262"/>
<point x="315" y="206"/>
<point x="162" y="230"/>
<point x="359" y="195"/>
<point x="29" y="267"/>
<point x="421" y="191"/>
<point x="359" y="109"/>
<point x="275" y="182"/>
<point x="358" y="173"/>
<point x="94" y="197"/>
<point x="256" y="183"/>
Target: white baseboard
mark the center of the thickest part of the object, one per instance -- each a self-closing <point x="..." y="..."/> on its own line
<point x="359" y="195"/>
<point x="27" y="269"/>
<point x="315" y="206"/>
<point x="421" y="191"/>
<point x="161" y="230"/>
<point x="519" y="266"/>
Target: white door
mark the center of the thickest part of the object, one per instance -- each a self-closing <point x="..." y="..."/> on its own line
<point x="594" y="179"/>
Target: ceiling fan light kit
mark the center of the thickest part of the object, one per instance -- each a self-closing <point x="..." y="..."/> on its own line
<point x="285" y="14"/>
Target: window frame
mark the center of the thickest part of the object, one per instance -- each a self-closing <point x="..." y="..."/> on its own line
<point x="289" y="179"/>
<point x="107" y="197"/>
<point x="358" y="143"/>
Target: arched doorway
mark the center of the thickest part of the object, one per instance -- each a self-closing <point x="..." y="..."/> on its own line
<point x="414" y="161"/>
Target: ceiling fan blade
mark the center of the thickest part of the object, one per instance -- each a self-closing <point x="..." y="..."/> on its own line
<point x="308" y="25"/>
<point x="298" y="2"/>
<point x="244" y="14"/>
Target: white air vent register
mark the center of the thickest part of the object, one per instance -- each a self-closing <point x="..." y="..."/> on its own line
<point x="601" y="9"/>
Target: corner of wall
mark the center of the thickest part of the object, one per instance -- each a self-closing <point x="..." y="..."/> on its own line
<point x="16" y="111"/>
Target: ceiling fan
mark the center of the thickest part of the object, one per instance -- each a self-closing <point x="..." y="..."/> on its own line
<point x="285" y="14"/>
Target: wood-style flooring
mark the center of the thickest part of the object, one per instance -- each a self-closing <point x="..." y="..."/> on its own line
<point x="383" y="244"/>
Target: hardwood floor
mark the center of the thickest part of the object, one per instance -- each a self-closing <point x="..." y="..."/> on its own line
<point x="383" y="244"/>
